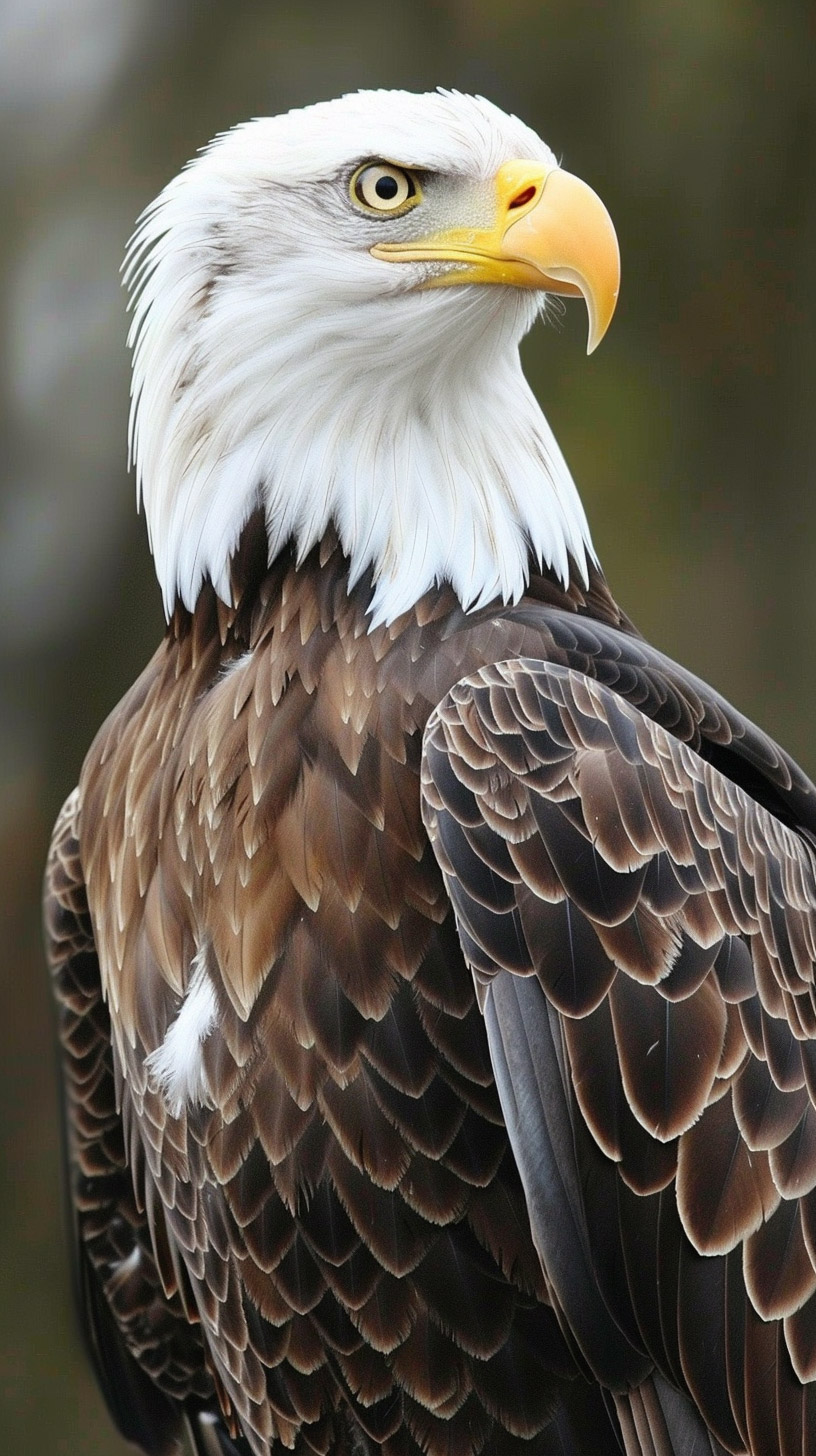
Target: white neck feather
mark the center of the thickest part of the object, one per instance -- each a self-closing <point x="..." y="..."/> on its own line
<point x="402" y="419"/>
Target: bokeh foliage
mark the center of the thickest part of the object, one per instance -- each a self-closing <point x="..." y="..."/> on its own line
<point x="690" y="432"/>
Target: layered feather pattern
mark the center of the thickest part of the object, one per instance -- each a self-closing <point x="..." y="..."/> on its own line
<point x="643" y="933"/>
<point x="327" y="1239"/>
<point x="332" y="1202"/>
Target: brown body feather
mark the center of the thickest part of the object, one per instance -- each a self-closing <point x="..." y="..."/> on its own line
<point x="332" y="1242"/>
<point x="342" y="1221"/>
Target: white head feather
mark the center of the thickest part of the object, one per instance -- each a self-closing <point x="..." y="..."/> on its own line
<point x="276" y="362"/>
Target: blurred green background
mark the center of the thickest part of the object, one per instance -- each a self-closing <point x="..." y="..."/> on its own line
<point x="690" y="433"/>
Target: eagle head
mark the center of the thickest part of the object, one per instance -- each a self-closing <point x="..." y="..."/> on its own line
<point x="327" y="311"/>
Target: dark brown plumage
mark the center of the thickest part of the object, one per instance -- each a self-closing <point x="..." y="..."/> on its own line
<point x="338" y="1244"/>
<point x="644" y="939"/>
<point x="346" y="1220"/>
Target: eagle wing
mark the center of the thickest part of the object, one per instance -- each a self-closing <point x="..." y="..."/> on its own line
<point x="642" y="933"/>
<point x="148" y="1358"/>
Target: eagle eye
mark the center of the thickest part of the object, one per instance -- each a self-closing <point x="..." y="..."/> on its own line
<point x="379" y="187"/>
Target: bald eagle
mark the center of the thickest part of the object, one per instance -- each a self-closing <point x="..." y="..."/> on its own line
<point x="434" y="958"/>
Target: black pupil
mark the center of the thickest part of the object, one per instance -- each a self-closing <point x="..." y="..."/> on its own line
<point x="386" y="188"/>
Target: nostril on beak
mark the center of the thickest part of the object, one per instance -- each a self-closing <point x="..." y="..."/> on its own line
<point x="526" y="195"/>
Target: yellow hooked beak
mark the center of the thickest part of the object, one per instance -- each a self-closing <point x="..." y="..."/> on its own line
<point x="552" y="233"/>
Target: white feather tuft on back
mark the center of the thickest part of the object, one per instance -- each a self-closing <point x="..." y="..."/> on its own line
<point x="176" y="1067"/>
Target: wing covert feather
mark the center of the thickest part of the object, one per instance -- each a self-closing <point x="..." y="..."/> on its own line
<point x="601" y="868"/>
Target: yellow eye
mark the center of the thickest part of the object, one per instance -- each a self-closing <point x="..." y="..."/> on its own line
<point x="379" y="187"/>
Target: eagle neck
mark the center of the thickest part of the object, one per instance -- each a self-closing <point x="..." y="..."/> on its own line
<point x="267" y="598"/>
<point x="433" y="465"/>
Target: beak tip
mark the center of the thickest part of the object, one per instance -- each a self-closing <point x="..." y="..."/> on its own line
<point x="599" y="327"/>
<point x="595" y="335"/>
